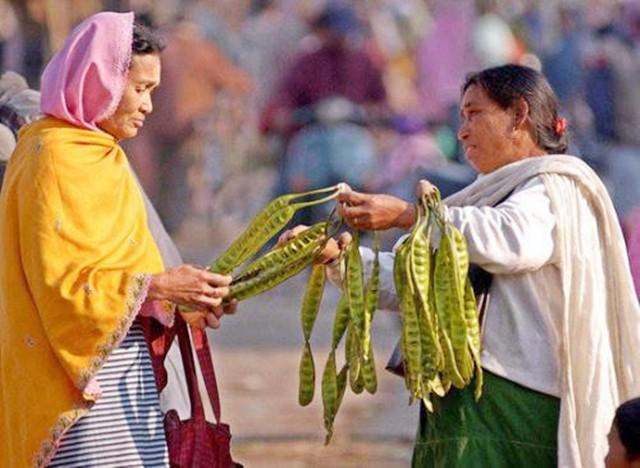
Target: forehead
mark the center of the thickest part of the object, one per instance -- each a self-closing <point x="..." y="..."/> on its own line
<point x="145" y="68"/>
<point x="475" y="95"/>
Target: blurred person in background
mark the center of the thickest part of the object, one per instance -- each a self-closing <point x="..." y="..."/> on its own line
<point x="194" y="75"/>
<point x="444" y="59"/>
<point x="270" y="35"/>
<point x="624" y="437"/>
<point x="19" y="106"/>
<point x="492" y="38"/>
<point x="82" y="264"/>
<point x="329" y="85"/>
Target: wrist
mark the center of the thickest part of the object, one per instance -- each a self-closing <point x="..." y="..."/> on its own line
<point x="156" y="288"/>
<point x="407" y="217"/>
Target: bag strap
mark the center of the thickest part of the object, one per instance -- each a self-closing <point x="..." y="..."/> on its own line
<point x="197" y="409"/>
<point x="203" y="352"/>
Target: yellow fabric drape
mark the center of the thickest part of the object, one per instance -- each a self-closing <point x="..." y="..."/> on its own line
<point x="77" y="255"/>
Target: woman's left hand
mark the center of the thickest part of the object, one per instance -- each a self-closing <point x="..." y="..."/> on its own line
<point x="375" y="211"/>
<point x="211" y="317"/>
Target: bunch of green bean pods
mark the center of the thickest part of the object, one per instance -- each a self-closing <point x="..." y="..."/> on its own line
<point x="353" y="318"/>
<point x="355" y="310"/>
<point x="440" y="337"/>
<point x="280" y="264"/>
<point x="272" y="219"/>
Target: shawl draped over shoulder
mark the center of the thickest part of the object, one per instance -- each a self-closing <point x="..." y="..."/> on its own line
<point x="600" y="317"/>
<point x="78" y="258"/>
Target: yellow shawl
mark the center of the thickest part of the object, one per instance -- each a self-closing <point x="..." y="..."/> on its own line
<point x="77" y="255"/>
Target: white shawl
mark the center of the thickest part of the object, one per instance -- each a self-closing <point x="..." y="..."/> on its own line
<point x="600" y="331"/>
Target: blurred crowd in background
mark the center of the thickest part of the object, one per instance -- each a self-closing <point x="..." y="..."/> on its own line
<point x="262" y="97"/>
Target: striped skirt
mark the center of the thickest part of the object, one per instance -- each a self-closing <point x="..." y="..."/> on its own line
<point x="125" y="426"/>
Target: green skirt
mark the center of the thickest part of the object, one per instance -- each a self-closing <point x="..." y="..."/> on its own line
<point x="510" y="427"/>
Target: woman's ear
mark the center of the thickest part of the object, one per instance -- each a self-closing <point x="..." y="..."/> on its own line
<point x="520" y="114"/>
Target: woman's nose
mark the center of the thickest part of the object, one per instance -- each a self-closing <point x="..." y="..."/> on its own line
<point x="463" y="132"/>
<point x="147" y="105"/>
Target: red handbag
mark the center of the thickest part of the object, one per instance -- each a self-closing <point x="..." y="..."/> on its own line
<point x="196" y="442"/>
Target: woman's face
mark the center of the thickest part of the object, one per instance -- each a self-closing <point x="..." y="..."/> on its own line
<point x="617" y="456"/>
<point x="486" y="131"/>
<point x="135" y="105"/>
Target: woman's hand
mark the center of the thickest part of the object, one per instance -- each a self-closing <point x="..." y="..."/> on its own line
<point x="190" y="286"/>
<point x="425" y="189"/>
<point x="210" y="317"/>
<point x="375" y="211"/>
<point x="332" y="249"/>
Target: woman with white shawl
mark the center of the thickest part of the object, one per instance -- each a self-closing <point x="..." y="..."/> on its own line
<point x="562" y="330"/>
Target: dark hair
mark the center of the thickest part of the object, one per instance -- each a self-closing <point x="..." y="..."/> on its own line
<point x="627" y="422"/>
<point x="146" y="41"/>
<point x="506" y="84"/>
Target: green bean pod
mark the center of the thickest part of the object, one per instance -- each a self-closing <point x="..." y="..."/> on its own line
<point x="329" y="394"/>
<point x="450" y="372"/>
<point x="371" y="296"/>
<point x="450" y="304"/>
<point x="473" y="336"/>
<point x="307" y="376"/>
<point x="420" y="263"/>
<point x="341" y="383"/>
<point x="355" y="292"/>
<point x="411" y="333"/>
<point x="341" y="321"/>
<point x="400" y="282"/>
<point x="368" y="372"/>
<point x="312" y="299"/>
<point x="352" y="356"/>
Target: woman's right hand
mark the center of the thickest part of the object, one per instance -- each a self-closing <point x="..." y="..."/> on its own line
<point x="190" y="286"/>
<point x="332" y="249"/>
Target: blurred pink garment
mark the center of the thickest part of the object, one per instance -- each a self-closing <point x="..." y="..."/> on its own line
<point x="411" y="153"/>
<point x="445" y="57"/>
<point x="83" y="83"/>
<point x="631" y="226"/>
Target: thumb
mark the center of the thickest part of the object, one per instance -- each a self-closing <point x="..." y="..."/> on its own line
<point x="352" y="198"/>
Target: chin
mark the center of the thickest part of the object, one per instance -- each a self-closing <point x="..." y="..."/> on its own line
<point x="128" y="133"/>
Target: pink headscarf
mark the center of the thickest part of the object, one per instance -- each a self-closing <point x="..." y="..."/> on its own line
<point x="84" y="82"/>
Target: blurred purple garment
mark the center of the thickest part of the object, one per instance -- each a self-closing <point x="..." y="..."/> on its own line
<point x="445" y="57"/>
<point x="329" y="71"/>
<point x="411" y="153"/>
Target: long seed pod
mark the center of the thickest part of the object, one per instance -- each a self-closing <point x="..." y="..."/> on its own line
<point x="341" y="384"/>
<point x="411" y="332"/>
<point x="473" y="335"/>
<point x="371" y="296"/>
<point x="329" y="394"/>
<point x="420" y="264"/>
<point x="355" y="291"/>
<point x="400" y="282"/>
<point x="341" y="321"/>
<point x="449" y="296"/>
<point x="312" y="299"/>
<point x="368" y="372"/>
<point x="352" y="356"/>
<point x="307" y="376"/>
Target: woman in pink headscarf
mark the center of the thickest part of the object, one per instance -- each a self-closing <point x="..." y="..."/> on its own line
<point x="82" y="264"/>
